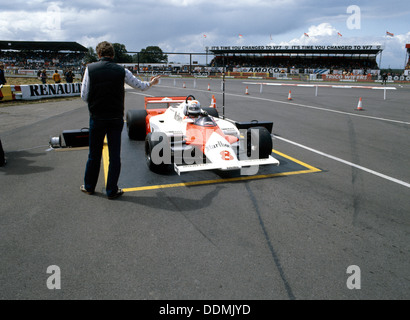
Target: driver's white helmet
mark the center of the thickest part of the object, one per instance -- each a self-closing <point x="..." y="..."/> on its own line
<point x="194" y="108"/>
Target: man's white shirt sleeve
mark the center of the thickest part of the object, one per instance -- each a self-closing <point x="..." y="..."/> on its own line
<point x="85" y="86"/>
<point x="134" y="82"/>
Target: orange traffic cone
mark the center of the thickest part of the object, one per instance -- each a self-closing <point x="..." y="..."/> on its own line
<point x="184" y="85"/>
<point x="246" y="91"/>
<point x="359" y="105"/>
<point x="213" y="102"/>
<point x="290" y="95"/>
<point x="209" y="87"/>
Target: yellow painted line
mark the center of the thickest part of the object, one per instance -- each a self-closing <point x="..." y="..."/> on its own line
<point x="106" y="160"/>
<point x="204" y="182"/>
<point x="313" y="169"/>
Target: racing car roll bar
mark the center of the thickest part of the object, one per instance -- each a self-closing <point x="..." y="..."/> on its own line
<point x="190" y="96"/>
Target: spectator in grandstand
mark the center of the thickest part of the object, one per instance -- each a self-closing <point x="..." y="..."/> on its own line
<point x="103" y="89"/>
<point x="56" y="77"/>
<point x="2" y="77"/>
<point x="69" y="76"/>
<point x="43" y="76"/>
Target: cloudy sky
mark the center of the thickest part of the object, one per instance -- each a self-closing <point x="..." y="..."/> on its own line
<point x="192" y="25"/>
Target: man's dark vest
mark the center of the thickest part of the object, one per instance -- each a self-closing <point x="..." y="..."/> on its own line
<point x="106" y="91"/>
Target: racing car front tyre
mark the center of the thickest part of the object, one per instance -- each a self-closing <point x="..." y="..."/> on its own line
<point x="259" y="142"/>
<point x="136" y="124"/>
<point x="150" y="144"/>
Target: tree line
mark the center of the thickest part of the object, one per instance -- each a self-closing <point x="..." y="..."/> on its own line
<point x="151" y="54"/>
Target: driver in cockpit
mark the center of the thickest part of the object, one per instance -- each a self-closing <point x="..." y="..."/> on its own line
<point x="194" y="109"/>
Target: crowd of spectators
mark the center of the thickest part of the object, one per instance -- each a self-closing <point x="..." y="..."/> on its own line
<point x="300" y="62"/>
<point x="41" y="59"/>
<point x="44" y="64"/>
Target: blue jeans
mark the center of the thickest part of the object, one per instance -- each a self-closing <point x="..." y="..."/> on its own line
<point x="99" y="128"/>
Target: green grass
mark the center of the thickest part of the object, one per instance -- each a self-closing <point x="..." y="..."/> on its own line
<point x="19" y="81"/>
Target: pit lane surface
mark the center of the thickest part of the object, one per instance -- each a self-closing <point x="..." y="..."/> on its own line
<point x="288" y="237"/>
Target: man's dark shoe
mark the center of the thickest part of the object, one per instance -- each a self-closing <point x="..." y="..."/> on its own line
<point x="83" y="189"/>
<point x="119" y="193"/>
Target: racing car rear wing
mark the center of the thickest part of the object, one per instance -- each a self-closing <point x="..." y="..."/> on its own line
<point x="163" y="100"/>
<point x="254" y="123"/>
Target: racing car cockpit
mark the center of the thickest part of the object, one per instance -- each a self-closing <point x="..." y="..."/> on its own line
<point x="204" y="120"/>
<point x="199" y="116"/>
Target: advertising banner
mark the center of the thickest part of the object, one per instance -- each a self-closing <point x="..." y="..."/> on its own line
<point x="39" y="91"/>
<point x="317" y="71"/>
<point x="345" y="77"/>
<point x="261" y="70"/>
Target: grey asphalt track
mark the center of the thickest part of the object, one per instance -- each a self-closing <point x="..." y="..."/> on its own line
<point x="279" y="238"/>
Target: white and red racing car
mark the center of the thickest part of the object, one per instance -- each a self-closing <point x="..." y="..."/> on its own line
<point x="191" y="138"/>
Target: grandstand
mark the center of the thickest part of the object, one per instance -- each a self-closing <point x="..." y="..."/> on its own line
<point x="298" y="59"/>
<point x="41" y="54"/>
<point x="408" y="56"/>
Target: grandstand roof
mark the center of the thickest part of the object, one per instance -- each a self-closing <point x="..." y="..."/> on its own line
<point x="42" y="45"/>
<point x="300" y="50"/>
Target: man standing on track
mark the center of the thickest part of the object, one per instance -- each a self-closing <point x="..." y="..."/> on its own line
<point x="103" y="90"/>
<point x="384" y="78"/>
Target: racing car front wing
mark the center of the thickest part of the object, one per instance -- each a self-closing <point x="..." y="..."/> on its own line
<point x="242" y="164"/>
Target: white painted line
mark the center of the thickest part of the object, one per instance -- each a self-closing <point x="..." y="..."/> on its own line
<point x="337" y="86"/>
<point x="381" y="175"/>
<point x="141" y="94"/>
<point x="293" y="104"/>
<point x="322" y="109"/>
<point x="385" y="88"/>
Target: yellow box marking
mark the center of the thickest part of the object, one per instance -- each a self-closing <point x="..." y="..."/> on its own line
<point x="204" y="182"/>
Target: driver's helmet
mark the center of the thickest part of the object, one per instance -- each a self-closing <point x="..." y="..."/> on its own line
<point x="194" y="108"/>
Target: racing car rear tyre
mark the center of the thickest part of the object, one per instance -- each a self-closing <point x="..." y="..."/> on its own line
<point x="150" y="144"/>
<point x="211" y="111"/>
<point x="263" y="149"/>
<point x="136" y="124"/>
